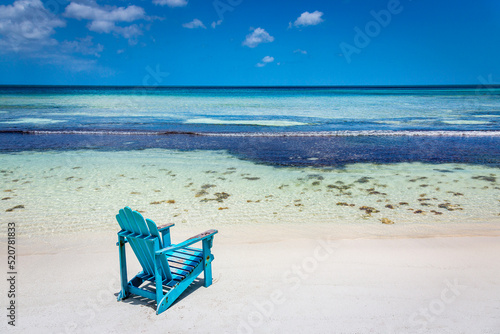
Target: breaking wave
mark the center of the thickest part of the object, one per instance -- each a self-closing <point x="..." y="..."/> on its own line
<point x="361" y="133"/>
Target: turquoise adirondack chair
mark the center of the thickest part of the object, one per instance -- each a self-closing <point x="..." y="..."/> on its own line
<point x="172" y="268"/>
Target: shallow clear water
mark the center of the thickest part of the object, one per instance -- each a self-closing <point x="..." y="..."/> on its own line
<point x="67" y="191"/>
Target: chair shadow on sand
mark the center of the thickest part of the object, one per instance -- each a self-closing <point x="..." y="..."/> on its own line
<point x="139" y="300"/>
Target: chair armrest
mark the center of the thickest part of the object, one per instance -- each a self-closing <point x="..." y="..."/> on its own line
<point x="204" y="235"/>
<point x="164" y="230"/>
<point x="197" y="238"/>
<point x="163" y="227"/>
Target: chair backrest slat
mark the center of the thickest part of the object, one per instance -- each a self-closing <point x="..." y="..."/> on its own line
<point x="120" y="222"/>
<point x="153" y="229"/>
<point x="123" y="221"/>
<point x="147" y="247"/>
<point x="141" y="223"/>
<point x="142" y="241"/>
<point x="124" y="224"/>
<point x="142" y="250"/>
<point x="131" y="220"/>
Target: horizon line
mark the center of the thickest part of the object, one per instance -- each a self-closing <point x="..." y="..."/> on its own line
<point x="476" y="86"/>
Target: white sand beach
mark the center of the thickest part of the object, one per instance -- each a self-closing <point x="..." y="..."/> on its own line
<point x="270" y="279"/>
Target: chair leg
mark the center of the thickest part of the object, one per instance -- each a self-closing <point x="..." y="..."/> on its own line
<point x="207" y="259"/>
<point x="159" y="286"/>
<point x="123" y="269"/>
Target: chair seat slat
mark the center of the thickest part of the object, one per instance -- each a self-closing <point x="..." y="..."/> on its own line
<point x="184" y="261"/>
<point x="190" y="252"/>
<point x="189" y="257"/>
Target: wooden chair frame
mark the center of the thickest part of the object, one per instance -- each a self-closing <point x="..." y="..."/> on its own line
<point x="169" y="267"/>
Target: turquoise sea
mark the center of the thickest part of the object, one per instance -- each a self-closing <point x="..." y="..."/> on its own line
<point x="281" y="126"/>
<point x="72" y="156"/>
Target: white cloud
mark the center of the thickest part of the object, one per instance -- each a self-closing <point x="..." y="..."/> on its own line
<point x="27" y="25"/>
<point x="104" y="19"/>
<point x="84" y="46"/>
<point x="216" y="23"/>
<point x="101" y="26"/>
<point x="308" y="19"/>
<point x="304" y="52"/>
<point x="258" y="36"/>
<point x="194" y="24"/>
<point x="70" y="63"/>
<point x="171" y="3"/>
<point x="266" y="60"/>
<point x="96" y="13"/>
<point x="130" y="32"/>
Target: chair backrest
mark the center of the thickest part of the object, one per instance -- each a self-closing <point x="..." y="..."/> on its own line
<point x="144" y="239"/>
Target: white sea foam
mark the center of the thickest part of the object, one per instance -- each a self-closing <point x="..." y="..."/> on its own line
<point x="97" y="132"/>
<point x="373" y="133"/>
<point x="462" y="122"/>
<point x="362" y="133"/>
<point x="388" y="122"/>
<point x="29" y="120"/>
<point x="243" y="122"/>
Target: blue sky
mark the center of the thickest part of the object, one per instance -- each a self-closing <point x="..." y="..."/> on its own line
<point x="249" y="42"/>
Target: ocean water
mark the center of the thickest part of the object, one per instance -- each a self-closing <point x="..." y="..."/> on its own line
<point x="281" y="126"/>
<point x="72" y="156"/>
